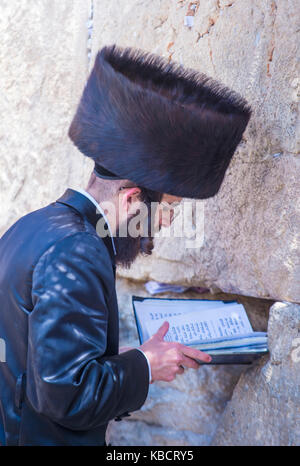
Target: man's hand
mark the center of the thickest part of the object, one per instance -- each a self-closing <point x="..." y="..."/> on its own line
<point x="168" y="358"/>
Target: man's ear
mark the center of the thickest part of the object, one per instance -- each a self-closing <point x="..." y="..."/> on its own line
<point x="129" y="196"/>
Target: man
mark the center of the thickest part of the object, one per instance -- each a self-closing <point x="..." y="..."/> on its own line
<point x="155" y="133"/>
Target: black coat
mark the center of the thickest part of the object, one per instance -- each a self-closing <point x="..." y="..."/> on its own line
<point x="63" y="378"/>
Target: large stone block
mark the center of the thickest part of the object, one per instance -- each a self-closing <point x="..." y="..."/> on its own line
<point x="251" y="240"/>
<point x="44" y="64"/>
<point x="265" y="406"/>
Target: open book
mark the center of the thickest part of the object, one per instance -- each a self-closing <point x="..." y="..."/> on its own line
<point x="219" y="328"/>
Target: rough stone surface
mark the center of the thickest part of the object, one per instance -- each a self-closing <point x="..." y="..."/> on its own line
<point x="265" y="406"/>
<point x="251" y="241"/>
<point x="187" y="410"/>
<point x="44" y="65"/>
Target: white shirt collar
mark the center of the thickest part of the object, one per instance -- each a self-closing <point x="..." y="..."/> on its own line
<point x="99" y="208"/>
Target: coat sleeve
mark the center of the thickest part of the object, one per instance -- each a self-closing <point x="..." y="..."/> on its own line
<point x="69" y="378"/>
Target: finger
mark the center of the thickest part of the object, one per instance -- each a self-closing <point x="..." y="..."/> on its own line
<point x="180" y="370"/>
<point x="189" y="362"/>
<point x="161" y="332"/>
<point x="196" y="354"/>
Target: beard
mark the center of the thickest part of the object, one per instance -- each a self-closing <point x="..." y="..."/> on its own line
<point x="129" y="248"/>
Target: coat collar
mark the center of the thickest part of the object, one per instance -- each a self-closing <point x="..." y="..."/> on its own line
<point x="88" y="210"/>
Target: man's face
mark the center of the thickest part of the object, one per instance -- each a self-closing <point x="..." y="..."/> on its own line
<point x="140" y="209"/>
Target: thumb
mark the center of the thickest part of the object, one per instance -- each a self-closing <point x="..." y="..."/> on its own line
<point x="161" y="332"/>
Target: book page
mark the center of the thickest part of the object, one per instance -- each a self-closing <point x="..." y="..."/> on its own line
<point x="151" y="309"/>
<point x="206" y="324"/>
<point x="158" y="309"/>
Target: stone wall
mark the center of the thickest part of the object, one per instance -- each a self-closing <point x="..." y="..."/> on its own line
<point x="43" y="65"/>
<point x="264" y="409"/>
<point x="251" y="228"/>
<point x="251" y="240"/>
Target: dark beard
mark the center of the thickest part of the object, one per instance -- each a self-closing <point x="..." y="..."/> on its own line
<point x="128" y="248"/>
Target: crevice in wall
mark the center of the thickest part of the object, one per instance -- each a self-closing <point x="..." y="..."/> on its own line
<point x="272" y="42"/>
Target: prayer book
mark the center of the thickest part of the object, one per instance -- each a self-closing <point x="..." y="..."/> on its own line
<point x="219" y="328"/>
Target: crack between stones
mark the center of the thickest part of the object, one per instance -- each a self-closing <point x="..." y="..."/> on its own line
<point x="162" y="21"/>
<point x="213" y="20"/>
<point x="272" y="43"/>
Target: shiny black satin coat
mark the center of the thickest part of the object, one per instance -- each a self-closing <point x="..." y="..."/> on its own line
<point x="62" y="380"/>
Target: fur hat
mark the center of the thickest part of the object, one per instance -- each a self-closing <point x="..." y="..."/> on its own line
<point x="166" y="128"/>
